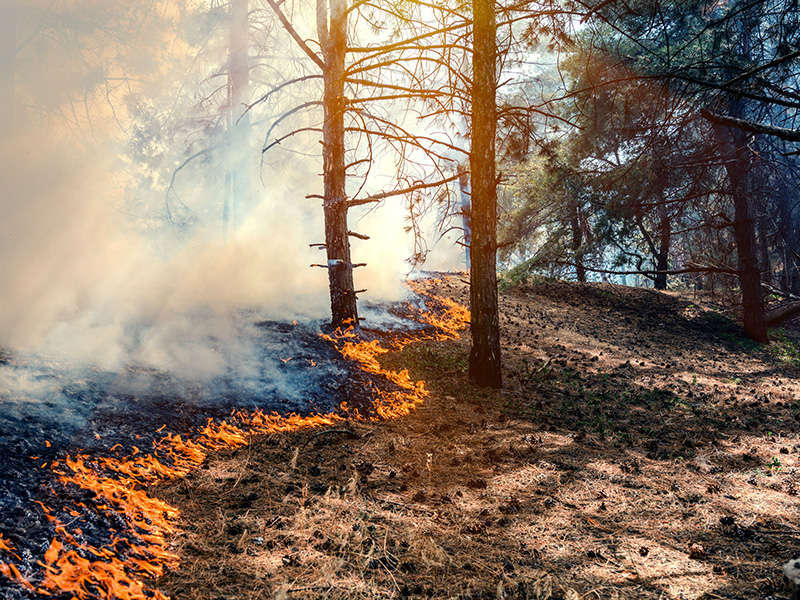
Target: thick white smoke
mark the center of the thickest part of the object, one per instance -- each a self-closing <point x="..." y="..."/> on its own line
<point x="91" y="276"/>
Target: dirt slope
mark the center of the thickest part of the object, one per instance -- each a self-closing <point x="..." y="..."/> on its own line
<point x="641" y="448"/>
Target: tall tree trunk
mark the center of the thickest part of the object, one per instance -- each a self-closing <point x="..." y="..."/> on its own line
<point x="662" y="260"/>
<point x="238" y="155"/>
<point x="790" y="237"/>
<point x="732" y="143"/>
<point x="484" y="360"/>
<point x="765" y="265"/>
<point x="332" y="31"/>
<point x="739" y="167"/>
<point x="577" y="239"/>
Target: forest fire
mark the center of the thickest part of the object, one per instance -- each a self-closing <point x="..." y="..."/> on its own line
<point x="111" y="537"/>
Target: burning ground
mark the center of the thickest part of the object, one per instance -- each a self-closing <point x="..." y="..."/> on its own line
<point x="641" y="448"/>
<point x="83" y="448"/>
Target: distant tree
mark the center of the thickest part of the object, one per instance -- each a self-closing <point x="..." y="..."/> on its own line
<point x="78" y="61"/>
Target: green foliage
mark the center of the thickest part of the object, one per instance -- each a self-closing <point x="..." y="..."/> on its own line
<point x="520" y="275"/>
<point x="774" y="465"/>
<point x="784" y="347"/>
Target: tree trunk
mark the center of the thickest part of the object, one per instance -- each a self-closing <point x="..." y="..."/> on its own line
<point x="734" y="150"/>
<point x="762" y="229"/>
<point x="238" y="155"/>
<point x="738" y="165"/>
<point x="332" y="31"/>
<point x="577" y="239"/>
<point x="662" y="260"/>
<point x="789" y="237"/>
<point x="484" y="360"/>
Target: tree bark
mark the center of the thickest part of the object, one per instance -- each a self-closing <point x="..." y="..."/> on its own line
<point x="734" y="150"/>
<point x="332" y="31"/>
<point x="662" y="260"/>
<point x="577" y="239"/>
<point x="484" y="360"/>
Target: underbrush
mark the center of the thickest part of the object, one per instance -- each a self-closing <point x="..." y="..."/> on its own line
<point x="784" y="347"/>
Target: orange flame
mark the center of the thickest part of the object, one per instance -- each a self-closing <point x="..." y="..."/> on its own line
<point x="118" y="570"/>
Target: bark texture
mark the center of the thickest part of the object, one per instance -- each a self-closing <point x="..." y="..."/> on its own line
<point x="734" y="151"/>
<point x="484" y="360"/>
<point x="332" y="32"/>
<point x="662" y="258"/>
<point x="577" y="239"/>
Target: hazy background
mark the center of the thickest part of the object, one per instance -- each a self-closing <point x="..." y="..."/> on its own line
<point x="109" y="256"/>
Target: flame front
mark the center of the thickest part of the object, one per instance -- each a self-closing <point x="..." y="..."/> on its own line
<point x="141" y="553"/>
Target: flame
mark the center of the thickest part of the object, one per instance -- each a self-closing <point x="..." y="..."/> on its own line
<point x="6" y="546"/>
<point x="120" y="569"/>
<point x="447" y="321"/>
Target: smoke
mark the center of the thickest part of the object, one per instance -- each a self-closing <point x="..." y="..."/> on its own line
<point x="94" y="276"/>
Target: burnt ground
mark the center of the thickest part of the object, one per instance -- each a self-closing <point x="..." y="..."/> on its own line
<point x="50" y="409"/>
<point x="640" y="448"/>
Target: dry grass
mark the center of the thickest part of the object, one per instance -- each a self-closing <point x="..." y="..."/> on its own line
<point x="585" y="478"/>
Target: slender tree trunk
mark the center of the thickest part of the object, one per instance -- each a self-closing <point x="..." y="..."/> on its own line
<point x="662" y="260"/>
<point x="484" y="360"/>
<point x="332" y="31"/>
<point x="577" y="239"/>
<point x="749" y="273"/>
<point x="790" y="237"/>
<point x="238" y="155"/>
<point x="765" y="265"/>
<point x="739" y="167"/>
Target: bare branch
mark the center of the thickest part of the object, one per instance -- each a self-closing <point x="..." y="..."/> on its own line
<point x="401" y="192"/>
<point x="296" y="36"/>
<point x="789" y="135"/>
<point x="278" y="141"/>
<point x="278" y="88"/>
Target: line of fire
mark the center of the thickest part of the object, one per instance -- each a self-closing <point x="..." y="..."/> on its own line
<point x="229" y="222"/>
<point x="110" y="538"/>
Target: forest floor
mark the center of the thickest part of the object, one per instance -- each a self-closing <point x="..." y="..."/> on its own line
<point x="640" y="448"/>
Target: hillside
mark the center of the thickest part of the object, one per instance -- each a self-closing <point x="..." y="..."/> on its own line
<point x="641" y="448"/>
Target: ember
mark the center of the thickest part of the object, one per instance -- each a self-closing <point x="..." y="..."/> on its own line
<point x="106" y="491"/>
